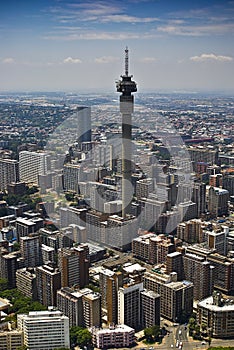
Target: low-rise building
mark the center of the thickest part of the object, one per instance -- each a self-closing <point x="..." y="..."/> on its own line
<point x="119" y="336"/>
<point x="11" y="340"/>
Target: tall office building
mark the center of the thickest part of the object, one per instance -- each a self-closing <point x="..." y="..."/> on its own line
<point x="150" y="308"/>
<point x="83" y="117"/>
<point x="71" y="177"/>
<point x="8" y="267"/>
<point x="30" y="250"/>
<point x="48" y="282"/>
<point x="32" y="164"/>
<point x="129" y="305"/>
<point x="199" y="197"/>
<point x="44" y="330"/>
<point x="126" y="86"/>
<point x="9" y="172"/>
<point x="74" y="266"/>
<point x="228" y="183"/>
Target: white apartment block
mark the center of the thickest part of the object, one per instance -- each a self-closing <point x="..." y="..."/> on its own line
<point x="32" y="164"/>
<point x="44" y="330"/>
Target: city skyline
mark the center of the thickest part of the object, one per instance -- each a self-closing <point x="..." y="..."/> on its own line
<point x="57" y="45"/>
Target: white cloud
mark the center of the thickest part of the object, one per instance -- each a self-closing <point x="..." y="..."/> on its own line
<point x="128" y="19"/>
<point x="106" y="59"/>
<point x="71" y="60"/>
<point x="211" y="57"/>
<point x="91" y="35"/>
<point x="8" y="60"/>
<point x="173" y="28"/>
<point x="148" y="59"/>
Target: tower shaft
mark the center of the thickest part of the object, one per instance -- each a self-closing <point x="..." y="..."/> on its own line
<point x="126" y="86"/>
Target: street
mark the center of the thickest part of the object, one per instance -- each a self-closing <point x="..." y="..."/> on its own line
<point x="181" y="334"/>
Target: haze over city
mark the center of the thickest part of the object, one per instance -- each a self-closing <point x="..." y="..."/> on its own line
<point x="54" y="45"/>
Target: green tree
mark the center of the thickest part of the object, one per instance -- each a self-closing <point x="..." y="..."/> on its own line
<point x="80" y="336"/>
<point x="3" y="284"/>
<point x="152" y="333"/>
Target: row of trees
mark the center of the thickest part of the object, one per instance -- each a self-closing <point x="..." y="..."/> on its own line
<point x="19" y="303"/>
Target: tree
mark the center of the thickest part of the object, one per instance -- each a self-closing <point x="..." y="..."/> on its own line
<point x="84" y="337"/>
<point x="80" y="336"/>
<point x="3" y="284"/>
<point x="152" y="333"/>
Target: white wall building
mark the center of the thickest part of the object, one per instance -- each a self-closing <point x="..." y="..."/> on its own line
<point x="44" y="330"/>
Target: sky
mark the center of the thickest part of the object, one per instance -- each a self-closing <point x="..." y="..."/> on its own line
<point x="78" y="46"/>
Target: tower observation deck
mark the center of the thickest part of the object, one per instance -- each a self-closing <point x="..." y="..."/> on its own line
<point x="126" y="86"/>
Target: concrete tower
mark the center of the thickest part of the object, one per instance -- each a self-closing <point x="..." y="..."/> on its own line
<point x="126" y="86"/>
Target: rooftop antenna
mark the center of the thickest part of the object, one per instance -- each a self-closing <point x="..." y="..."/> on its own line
<point x="126" y="61"/>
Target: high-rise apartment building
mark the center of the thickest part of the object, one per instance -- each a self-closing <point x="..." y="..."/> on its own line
<point x="200" y="273"/>
<point x="48" y="282"/>
<point x="187" y="210"/>
<point x="91" y="308"/>
<point x="32" y="164"/>
<point x="26" y="282"/>
<point x="74" y="266"/>
<point x="143" y="188"/>
<point x="109" y="283"/>
<point x="218" y="241"/>
<point x="9" y="172"/>
<point x="217" y="314"/>
<point x="176" y="297"/>
<point x="152" y="248"/>
<point x="151" y="208"/>
<point x="44" y="330"/>
<point x="69" y="301"/>
<point x="192" y="231"/>
<point x="218" y="201"/>
<point x="223" y="272"/>
<point x="174" y="263"/>
<point x="26" y="227"/>
<point x="83" y="307"/>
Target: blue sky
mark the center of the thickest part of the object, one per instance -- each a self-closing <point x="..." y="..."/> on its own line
<point x="73" y="45"/>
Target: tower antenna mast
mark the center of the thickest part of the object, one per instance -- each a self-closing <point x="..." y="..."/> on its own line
<point x="126" y="61"/>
